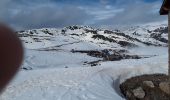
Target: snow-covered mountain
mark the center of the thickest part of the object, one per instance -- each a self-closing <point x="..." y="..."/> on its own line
<point x="95" y="38"/>
<point x="86" y="63"/>
<point x="86" y="46"/>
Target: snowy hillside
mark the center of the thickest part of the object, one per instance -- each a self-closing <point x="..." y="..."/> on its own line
<point x="95" y="38"/>
<point x="85" y="63"/>
<point x="86" y="46"/>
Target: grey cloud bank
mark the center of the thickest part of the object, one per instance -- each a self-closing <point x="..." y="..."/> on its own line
<point x="22" y="14"/>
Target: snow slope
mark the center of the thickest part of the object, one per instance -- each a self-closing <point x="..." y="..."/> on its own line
<point x="81" y="83"/>
<point x="53" y="72"/>
<point x="45" y="46"/>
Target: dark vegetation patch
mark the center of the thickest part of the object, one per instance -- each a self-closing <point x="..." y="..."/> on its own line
<point x="108" y="32"/>
<point x="47" y="32"/>
<point x="37" y="40"/>
<point x="63" y="31"/>
<point x="27" y="33"/>
<point x="151" y="93"/>
<point x="129" y="38"/>
<point x="26" y="68"/>
<point x="158" y="37"/>
<point x="22" y="35"/>
<point x="137" y="34"/>
<point x="161" y="30"/>
<point x="122" y="34"/>
<point x="91" y="31"/>
<point x="126" y="44"/>
<point x="31" y="33"/>
<point x="93" y="63"/>
<point x="103" y="38"/>
<point x="157" y="34"/>
<point x="109" y="55"/>
<point x="122" y="43"/>
<point x="34" y="31"/>
<point x="115" y="37"/>
<point x="74" y="27"/>
<point x="74" y="34"/>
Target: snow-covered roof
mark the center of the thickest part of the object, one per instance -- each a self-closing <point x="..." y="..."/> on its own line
<point x="165" y="7"/>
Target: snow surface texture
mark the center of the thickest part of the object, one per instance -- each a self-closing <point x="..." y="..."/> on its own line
<point x="54" y="73"/>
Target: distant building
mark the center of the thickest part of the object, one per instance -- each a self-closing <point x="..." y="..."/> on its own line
<point x="165" y="10"/>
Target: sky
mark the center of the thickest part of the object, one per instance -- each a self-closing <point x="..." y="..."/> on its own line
<point x="32" y="14"/>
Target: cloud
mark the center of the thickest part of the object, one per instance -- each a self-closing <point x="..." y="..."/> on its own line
<point x="29" y="14"/>
<point x="49" y="17"/>
<point x="101" y="13"/>
<point x="43" y="15"/>
<point x="136" y="13"/>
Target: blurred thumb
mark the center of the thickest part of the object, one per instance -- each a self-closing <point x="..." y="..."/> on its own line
<point x="11" y="55"/>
